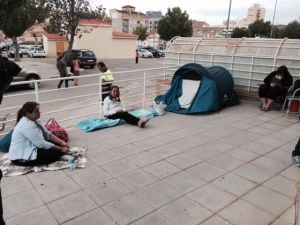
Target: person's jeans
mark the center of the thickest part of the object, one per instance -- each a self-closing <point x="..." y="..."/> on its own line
<point x="65" y="80"/>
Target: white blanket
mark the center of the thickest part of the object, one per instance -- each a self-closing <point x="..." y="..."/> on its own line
<point x="189" y="90"/>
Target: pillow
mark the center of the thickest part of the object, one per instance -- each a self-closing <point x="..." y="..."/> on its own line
<point x="5" y="142"/>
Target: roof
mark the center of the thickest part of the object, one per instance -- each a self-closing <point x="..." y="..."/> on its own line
<point x="52" y="36"/>
<point x="116" y="34"/>
<point x="93" y="22"/>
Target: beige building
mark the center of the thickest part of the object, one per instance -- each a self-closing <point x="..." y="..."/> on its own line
<point x="105" y="42"/>
<point x="203" y="30"/>
<point x="54" y="44"/>
<point x="255" y="12"/>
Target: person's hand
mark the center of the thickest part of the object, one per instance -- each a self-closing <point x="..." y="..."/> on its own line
<point x="64" y="144"/>
<point x="272" y="84"/>
<point x="120" y="111"/>
<point x="65" y="149"/>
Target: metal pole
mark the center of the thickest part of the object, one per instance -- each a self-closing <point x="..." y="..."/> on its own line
<point x="227" y="26"/>
<point x="273" y="19"/>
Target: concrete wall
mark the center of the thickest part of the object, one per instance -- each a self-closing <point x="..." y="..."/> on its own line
<point x="53" y="47"/>
<point x="101" y="41"/>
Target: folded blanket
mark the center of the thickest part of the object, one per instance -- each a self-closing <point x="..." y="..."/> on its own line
<point x="95" y="124"/>
<point x="75" y="159"/>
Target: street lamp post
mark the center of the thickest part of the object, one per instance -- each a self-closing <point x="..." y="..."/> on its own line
<point x="228" y="18"/>
<point x="273" y="19"/>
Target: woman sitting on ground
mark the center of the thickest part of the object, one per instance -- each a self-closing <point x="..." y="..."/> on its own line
<point x="114" y="109"/>
<point x="275" y="84"/>
<point x="32" y="144"/>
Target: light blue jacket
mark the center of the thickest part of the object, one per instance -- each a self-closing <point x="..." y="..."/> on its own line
<point x="27" y="137"/>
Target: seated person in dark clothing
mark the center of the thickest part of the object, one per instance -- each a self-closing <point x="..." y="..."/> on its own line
<point x="275" y="84"/>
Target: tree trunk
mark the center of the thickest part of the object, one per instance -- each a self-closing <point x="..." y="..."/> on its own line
<point x="16" y="46"/>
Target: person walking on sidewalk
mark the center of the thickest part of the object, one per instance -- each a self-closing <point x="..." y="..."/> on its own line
<point x="76" y="69"/>
<point x="62" y="69"/>
<point x="136" y="56"/>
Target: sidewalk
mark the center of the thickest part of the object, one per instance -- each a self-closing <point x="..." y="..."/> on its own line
<point x="227" y="168"/>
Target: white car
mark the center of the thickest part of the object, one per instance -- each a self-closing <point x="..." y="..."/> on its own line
<point x="37" y="52"/>
<point x="144" y="53"/>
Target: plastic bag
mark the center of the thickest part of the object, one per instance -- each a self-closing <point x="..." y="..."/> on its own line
<point x="159" y="108"/>
<point x="56" y="129"/>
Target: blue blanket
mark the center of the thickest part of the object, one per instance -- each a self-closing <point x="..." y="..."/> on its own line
<point x="95" y="124"/>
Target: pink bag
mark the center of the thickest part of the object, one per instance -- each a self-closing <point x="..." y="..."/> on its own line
<point x="57" y="130"/>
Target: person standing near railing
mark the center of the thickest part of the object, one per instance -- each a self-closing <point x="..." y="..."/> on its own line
<point x="62" y="69"/>
<point x="106" y="79"/>
<point x="76" y="68"/>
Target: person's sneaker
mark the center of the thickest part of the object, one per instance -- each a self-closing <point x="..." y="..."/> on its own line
<point x="296" y="160"/>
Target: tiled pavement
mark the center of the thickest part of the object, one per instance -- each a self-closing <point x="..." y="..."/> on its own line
<point x="227" y="168"/>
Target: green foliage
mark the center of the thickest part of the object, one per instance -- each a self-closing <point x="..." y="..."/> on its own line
<point x="292" y="30"/>
<point x="174" y="23"/>
<point x="141" y="32"/>
<point x="240" y="32"/>
<point x="66" y="14"/>
<point x="260" y="29"/>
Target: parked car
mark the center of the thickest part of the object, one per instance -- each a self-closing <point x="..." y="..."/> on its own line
<point x="37" y="52"/>
<point x="4" y="50"/>
<point x="154" y="51"/>
<point x="85" y="57"/>
<point x="144" y="53"/>
<point x="11" y="52"/>
<point x="27" y="75"/>
<point x="162" y="53"/>
<point x="24" y="50"/>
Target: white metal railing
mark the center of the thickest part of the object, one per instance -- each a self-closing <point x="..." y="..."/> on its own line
<point x="138" y="89"/>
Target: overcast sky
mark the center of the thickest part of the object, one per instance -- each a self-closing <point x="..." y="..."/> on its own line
<point x="213" y="11"/>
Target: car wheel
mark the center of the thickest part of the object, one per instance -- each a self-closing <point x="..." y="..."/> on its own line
<point x="31" y="77"/>
<point x="92" y="67"/>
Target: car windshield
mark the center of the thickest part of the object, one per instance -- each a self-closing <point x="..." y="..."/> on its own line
<point x="88" y="54"/>
<point x="39" y="49"/>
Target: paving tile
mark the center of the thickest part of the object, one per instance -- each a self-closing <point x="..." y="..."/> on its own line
<point x="95" y="217"/>
<point x="220" y="146"/>
<point x="153" y="219"/>
<point x="21" y="202"/>
<point x="260" y="130"/>
<point x="107" y="191"/>
<point x="206" y="171"/>
<point x="270" y="164"/>
<point x="282" y="185"/>
<point x="126" y="150"/>
<point x="203" y="154"/>
<point x="183" y="182"/>
<point x="103" y="157"/>
<point x="243" y="213"/>
<point x="90" y="176"/>
<point x="119" y="167"/>
<point x="269" y="200"/>
<point x="181" y="145"/>
<point x="253" y="173"/>
<point x="257" y="147"/>
<point x="127" y="209"/>
<point x="289" y="215"/>
<point x="293" y="172"/>
<point x="45" y="177"/>
<point x="71" y="206"/>
<point x="211" y="197"/>
<point x="224" y="162"/>
<point x="14" y="185"/>
<point x="242" y="155"/>
<point x="282" y="154"/>
<point x="234" y="184"/>
<point x="37" y="216"/>
<point x="57" y="189"/>
<point x="143" y="159"/>
<point x="216" y="220"/>
<point x="184" y="160"/>
<point x="158" y="194"/>
<point x="136" y="179"/>
<point x="242" y="138"/>
<point x="164" y="151"/>
<point x="161" y="169"/>
<point x="185" y="211"/>
<point x="281" y="222"/>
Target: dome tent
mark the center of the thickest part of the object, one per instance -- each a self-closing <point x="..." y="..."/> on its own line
<point x="195" y="89"/>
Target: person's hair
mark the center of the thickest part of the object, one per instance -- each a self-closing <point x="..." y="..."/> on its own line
<point x="28" y="107"/>
<point x="101" y="64"/>
<point x="282" y="70"/>
<point x="110" y="95"/>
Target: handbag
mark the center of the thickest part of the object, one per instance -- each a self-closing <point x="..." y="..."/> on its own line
<point x="56" y="129"/>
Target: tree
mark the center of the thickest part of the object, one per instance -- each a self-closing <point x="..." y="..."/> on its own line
<point x="66" y="14"/>
<point x="292" y="30"/>
<point x="17" y="16"/>
<point x="260" y="28"/>
<point x="240" y="32"/>
<point x="141" y="32"/>
<point x="174" y="23"/>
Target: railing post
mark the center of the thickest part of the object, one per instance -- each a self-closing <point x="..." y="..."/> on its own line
<point x="36" y="91"/>
<point x="100" y="96"/>
<point x="144" y="94"/>
<point x="250" y="75"/>
<point x="212" y="60"/>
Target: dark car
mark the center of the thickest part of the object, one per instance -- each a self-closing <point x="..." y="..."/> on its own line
<point x="85" y="57"/>
<point x="154" y="52"/>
